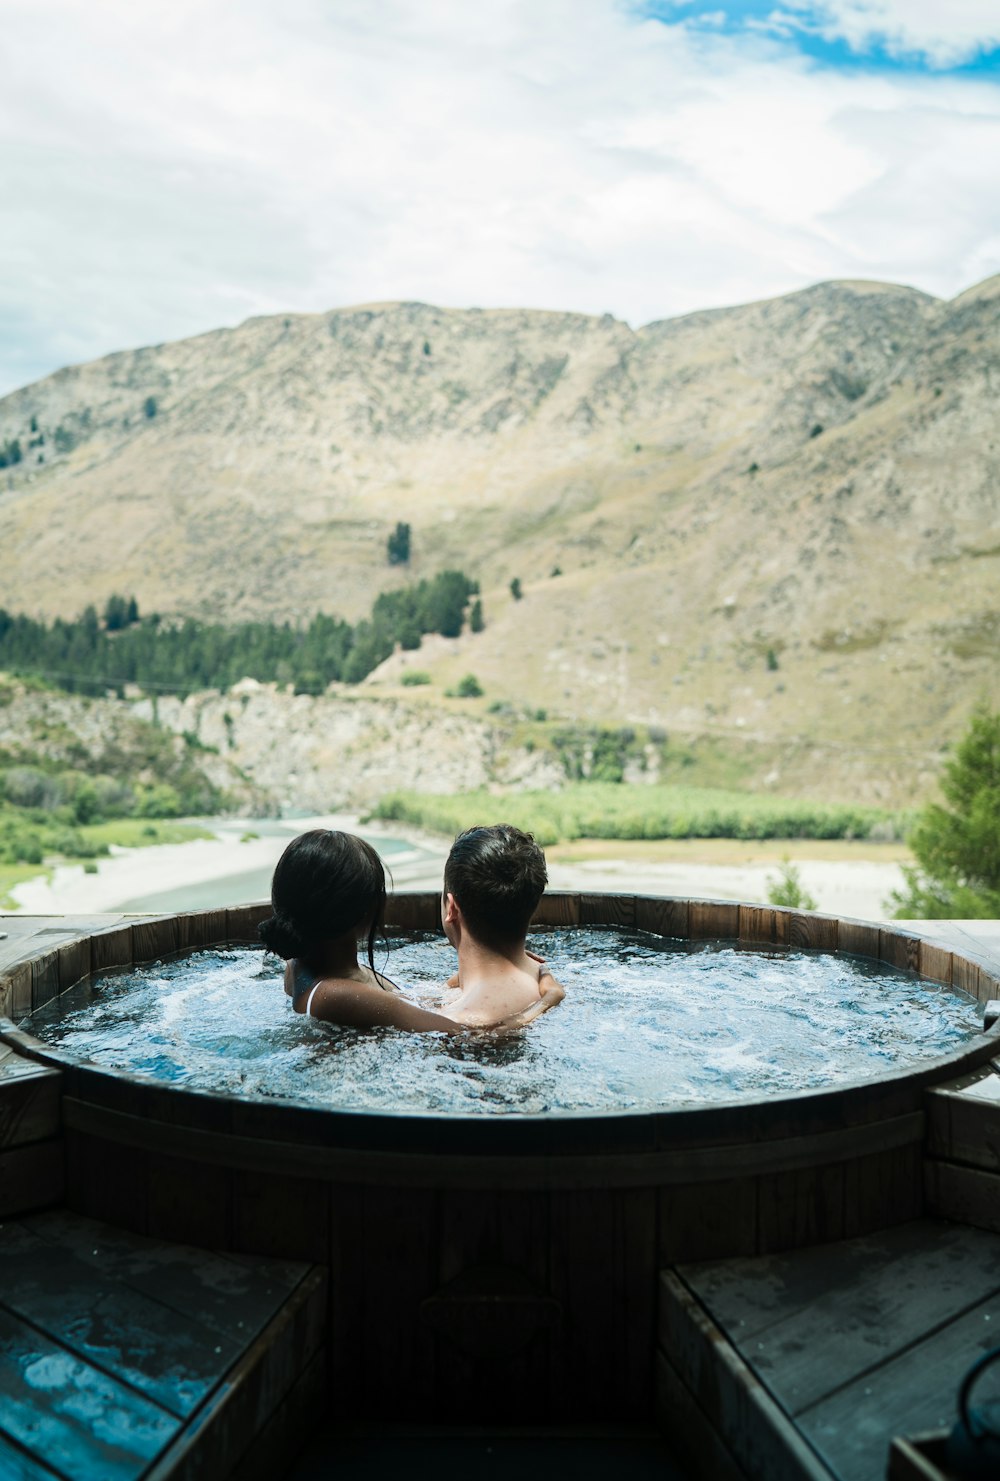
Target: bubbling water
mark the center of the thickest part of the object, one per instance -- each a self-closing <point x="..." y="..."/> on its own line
<point x="647" y="1024"/>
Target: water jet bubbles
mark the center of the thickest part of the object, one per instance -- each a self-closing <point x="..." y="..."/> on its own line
<point x="647" y="1023"/>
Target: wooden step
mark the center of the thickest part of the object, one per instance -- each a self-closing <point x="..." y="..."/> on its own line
<point x="807" y="1364"/>
<point x="123" y="1357"/>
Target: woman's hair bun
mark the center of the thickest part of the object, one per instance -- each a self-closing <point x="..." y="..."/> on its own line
<point x="280" y="936"/>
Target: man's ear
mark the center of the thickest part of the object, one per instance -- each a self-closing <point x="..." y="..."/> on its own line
<point x="451" y="914"/>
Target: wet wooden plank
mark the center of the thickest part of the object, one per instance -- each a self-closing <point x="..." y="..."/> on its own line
<point x="29" y="1100"/>
<point x="284" y="1216"/>
<point x="17" y="1465"/>
<point x="692" y="1437"/>
<point x="32" y="1177"/>
<point x="154" y="939"/>
<point x="346" y="1259"/>
<point x="188" y="1202"/>
<point x="603" y="1274"/>
<point x="70" y="1414"/>
<point x="764" y="925"/>
<point x="15" y="991"/>
<point x="710" y="920"/>
<point x="883" y="1189"/>
<point x="112" y="948"/>
<point x="915" y="1391"/>
<point x="204" y="928"/>
<point x="229" y="1423"/>
<point x="74" y="963"/>
<point x="981" y="1084"/>
<point x="44" y="978"/>
<point x="419" y="911"/>
<point x="105" y="1180"/>
<point x="609" y="910"/>
<point x="809" y="932"/>
<point x="965" y="974"/>
<point x="965" y="1193"/>
<point x="708" y="1221"/>
<point x="899" y="949"/>
<point x="170" y="1357"/>
<point x="400" y="1271"/>
<point x="491" y="1305"/>
<point x="800" y="1207"/>
<point x="242" y="922"/>
<point x="906" y="1278"/>
<point x="557" y="908"/>
<point x="744" y="1414"/>
<point x="964" y="1128"/>
<point x="858" y="938"/>
<point x="665" y="917"/>
<point x="936" y="962"/>
<point x="864" y="1324"/>
<point x="233" y="1295"/>
<point x="294" y="1419"/>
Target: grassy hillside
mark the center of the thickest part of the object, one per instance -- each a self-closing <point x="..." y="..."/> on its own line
<point x="775" y="522"/>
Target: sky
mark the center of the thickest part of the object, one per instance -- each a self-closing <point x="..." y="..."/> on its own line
<point x="171" y="166"/>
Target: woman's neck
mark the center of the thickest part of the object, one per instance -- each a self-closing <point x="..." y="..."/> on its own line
<point x="337" y="957"/>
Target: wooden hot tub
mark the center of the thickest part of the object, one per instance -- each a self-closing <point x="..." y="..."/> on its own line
<point x="457" y="1246"/>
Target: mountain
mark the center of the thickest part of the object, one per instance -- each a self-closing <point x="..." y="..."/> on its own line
<point x="777" y="521"/>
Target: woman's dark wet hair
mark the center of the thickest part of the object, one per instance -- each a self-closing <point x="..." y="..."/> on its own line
<point x="324" y="885"/>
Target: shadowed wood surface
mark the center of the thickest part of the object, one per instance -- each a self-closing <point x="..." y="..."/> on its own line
<point x="112" y="1346"/>
<point x="849" y="1343"/>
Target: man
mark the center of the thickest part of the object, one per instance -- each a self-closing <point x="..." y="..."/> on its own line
<point x="493" y="880"/>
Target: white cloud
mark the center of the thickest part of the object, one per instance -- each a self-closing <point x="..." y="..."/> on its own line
<point x="946" y="32"/>
<point x="171" y="166"/>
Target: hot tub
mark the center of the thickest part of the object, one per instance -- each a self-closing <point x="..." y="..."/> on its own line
<point x="462" y="1250"/>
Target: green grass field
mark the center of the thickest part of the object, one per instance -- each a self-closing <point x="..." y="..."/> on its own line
<point x="609" y="810"/>
<point x="93" y="840"/>
<point x="141" y="832"/>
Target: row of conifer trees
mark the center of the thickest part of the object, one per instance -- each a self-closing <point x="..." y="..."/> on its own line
<point x="94" y="653"/>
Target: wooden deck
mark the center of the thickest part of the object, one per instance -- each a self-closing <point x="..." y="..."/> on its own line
<point x="807" y="1364"/>
<point x="122" y="1357"/>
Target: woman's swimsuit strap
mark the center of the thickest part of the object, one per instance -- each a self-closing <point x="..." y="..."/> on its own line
<point x="309" y="999"/>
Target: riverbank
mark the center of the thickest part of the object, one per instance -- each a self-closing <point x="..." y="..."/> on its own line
<point x="235" y="864"/>
<point x="229" y="867"/>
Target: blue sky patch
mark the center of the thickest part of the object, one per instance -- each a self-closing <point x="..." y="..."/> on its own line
<point x="800" y="29"/>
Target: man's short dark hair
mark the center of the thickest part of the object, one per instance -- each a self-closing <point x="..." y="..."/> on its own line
<point x="497" y="875"/>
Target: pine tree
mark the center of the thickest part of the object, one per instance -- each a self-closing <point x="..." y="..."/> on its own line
<point x="957" y="847"/>
<point x="398" y="545"/>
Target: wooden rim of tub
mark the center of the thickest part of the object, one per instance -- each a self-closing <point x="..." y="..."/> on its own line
<point x="744" y="1137"/>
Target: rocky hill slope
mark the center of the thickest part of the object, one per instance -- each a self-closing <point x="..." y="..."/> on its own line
<point x="346" y="749"/>
<point x="778" y="520"/>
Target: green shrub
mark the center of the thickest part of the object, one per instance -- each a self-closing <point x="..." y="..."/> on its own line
<point x="621" y="810"/>
<point x="787" y="889"/>
<point x="28" y="851"/>
<point x="957" y="846"/>
<point x="413" y="678"/>
<point x="398" y="544"/>
<point x="159" y="801"/>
